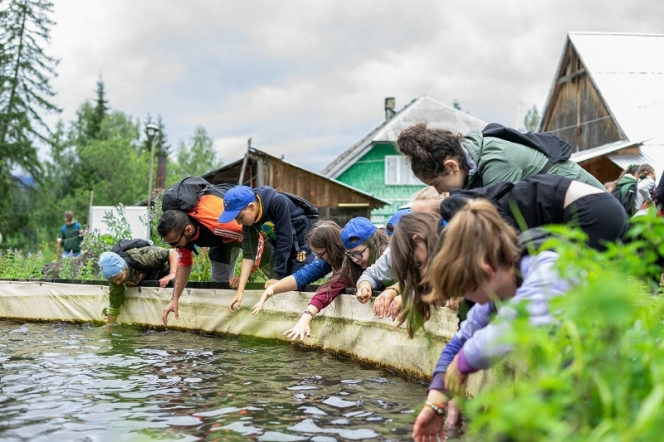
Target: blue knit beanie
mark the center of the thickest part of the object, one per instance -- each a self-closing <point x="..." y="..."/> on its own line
<point x="111" y="264"/>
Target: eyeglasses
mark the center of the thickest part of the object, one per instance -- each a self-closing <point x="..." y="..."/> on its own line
<point x="175" y="244"/>
<point x="319" y="256"/>
<point x="356" y="255"/>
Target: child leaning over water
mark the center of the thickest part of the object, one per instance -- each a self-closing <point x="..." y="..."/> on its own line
<point x="347" y="252"/>
<point x="388" y="303"/>
<point x="494" y="269"/>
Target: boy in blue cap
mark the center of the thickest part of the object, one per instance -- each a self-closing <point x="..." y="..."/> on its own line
<point x="269" y="215"/>
<point x="144" y="263"/>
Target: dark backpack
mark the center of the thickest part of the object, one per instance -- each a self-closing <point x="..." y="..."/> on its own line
<point x="127" y="244"/>
<point x="310" y="211"/>
<point x="184" y="195"/>
<point x="626" y="194"/>
<point x="556" y="149"/>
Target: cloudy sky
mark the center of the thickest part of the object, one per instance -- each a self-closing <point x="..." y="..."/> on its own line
<point x="308" y="78"/>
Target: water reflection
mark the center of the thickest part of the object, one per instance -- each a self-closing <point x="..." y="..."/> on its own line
<point x="78" y="382"/>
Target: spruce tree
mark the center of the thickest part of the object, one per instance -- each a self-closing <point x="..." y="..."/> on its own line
<point x="99" y="113"/>
<point x="25" y="91"/>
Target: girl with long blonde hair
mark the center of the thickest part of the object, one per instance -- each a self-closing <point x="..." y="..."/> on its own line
<point x="479" y="256"/>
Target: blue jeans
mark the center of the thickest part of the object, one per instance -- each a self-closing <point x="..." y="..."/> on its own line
<point x="70" y="253"/>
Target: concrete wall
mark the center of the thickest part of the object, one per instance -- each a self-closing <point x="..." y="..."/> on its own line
<point x="345" y="327"/>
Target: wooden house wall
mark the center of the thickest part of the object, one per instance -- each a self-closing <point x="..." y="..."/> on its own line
<point x="602" y="168"/>
<point x="576" y="111"/>
<point x="323" y="193"/>
<point x="368" y="174"/>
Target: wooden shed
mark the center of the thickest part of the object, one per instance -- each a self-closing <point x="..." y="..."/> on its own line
<point x="335" y="200"/>
<point x="607" y="101"/>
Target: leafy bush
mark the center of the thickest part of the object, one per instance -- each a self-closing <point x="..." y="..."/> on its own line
<point x="13" y="264"/>
<point x="599" y="373"/>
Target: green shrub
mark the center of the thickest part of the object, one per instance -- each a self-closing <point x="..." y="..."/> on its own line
<point x="599" y="373"/>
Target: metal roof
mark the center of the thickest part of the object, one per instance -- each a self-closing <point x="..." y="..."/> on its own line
<point x="628" y="71"/>
<point x="421" y="110"/>
<point x="589" y="154"/>
<point x="254" y="151"/>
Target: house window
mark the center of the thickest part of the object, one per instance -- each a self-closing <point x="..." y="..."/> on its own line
<point x="397" y="171"/>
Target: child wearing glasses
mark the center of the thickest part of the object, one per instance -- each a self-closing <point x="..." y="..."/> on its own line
<point x="346" y="252"/>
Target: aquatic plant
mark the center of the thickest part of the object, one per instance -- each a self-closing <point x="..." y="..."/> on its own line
<point x="597" y="374"/>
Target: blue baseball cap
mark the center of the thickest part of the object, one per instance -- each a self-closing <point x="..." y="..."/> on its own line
<point x="111" y="264"/>
<point x="236" y="199"/>
<point x="394" y="220"/>
<point x="360" y="228"/>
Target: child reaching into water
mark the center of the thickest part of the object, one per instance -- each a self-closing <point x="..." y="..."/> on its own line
<point x="495" y="268"/>
<point x="346" y="252"/>
<point x="389" y="302"/>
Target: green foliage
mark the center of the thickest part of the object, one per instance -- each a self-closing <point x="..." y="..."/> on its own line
<point x="13" y="264"/>
<point x="25" y="94"/>
<point x="66" y="272"/>
<point x="199" y="156"/>
<point x="532" y="119"/>
<point x="88" y="271"/>
<point x="597" y="374"/>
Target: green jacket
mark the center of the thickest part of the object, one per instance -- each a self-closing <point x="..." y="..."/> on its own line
<point x="499" y="160"/>
<point x="71" y="237"/>
<point x="151" y="257"/>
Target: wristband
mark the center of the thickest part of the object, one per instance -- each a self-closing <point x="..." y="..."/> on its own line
<point x="395" y="290"/>
<point x="439" y="409"/>
<point x="308" y="312"/>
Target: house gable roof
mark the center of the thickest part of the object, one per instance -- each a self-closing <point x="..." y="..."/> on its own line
<point x="421" y="110"/>
<point x="628" y="73"/>
<point x="374" y="201"/>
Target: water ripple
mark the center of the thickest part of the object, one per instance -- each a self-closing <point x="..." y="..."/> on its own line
<point x="79" y="382"/>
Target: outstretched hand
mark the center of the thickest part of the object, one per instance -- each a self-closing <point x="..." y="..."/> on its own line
<point x="383" y="303"/>
<point x="267" y="294"/>
<point x="363" y="293"/>
<point x="299" y="331"/>
<point x="428" y="426"/>
<point x="163" y="282"/>
<point x="236" y="303"/>
<point x="171" y="307"/>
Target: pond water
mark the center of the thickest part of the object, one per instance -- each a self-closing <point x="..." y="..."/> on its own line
<point x="62" y="382"/>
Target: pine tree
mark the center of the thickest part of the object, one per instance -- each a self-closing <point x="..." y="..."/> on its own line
<point x="199" y="157"/>
<point x="99" y="113"/>
<point x="25" y="91"/>
<point x="532" y="119"/>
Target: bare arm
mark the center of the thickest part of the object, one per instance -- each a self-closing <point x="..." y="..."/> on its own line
<point x="181" y="278"/>
<point x="173" y="267"/>
<point x="286" y="284"/>
<point x="245" y="271"/>
<point x="303" y="326"/>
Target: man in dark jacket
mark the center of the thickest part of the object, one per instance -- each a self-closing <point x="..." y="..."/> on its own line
<point x="266" y="214"/>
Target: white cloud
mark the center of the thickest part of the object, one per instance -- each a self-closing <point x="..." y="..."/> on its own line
<point x="308" y="78"/>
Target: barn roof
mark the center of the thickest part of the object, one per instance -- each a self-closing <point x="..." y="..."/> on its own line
<point x="374" y="201"/>
<point x="628" y="73"/>
<point x="420" y="110"/>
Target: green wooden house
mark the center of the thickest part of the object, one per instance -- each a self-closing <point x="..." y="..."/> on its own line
<point x="374" y="164"/>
